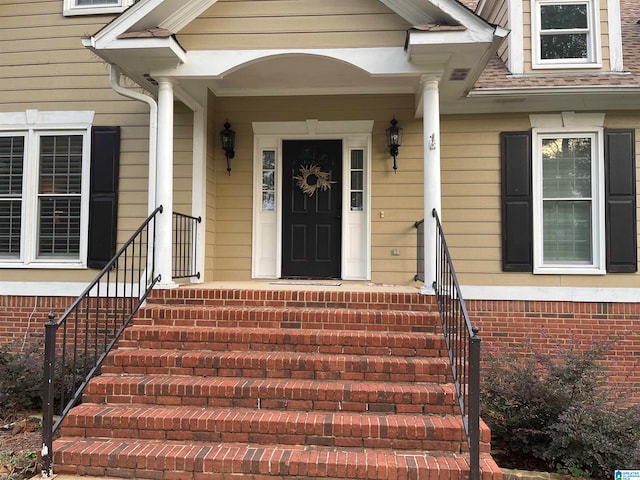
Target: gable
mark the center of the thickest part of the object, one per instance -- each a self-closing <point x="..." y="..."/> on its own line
<point x="281" y="24"/>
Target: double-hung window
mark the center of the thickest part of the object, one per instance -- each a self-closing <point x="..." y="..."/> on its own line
<point x="44" y="163"/>
<point x="568" y="202"/>
<point x="565" y="34"/>
<point x="92" y="7"/>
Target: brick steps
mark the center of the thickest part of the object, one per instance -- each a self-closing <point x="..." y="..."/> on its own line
<point x="184" y="461"/>
<point x="288" y="317"/>
<point x="274" y="385"/>
<point x="278" y="394"/>
<point x="275" y="365"/>
<point x="278" y="339"/>
<point x="329" y="429"/>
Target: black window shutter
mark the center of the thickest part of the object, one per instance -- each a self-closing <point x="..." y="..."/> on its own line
<point x="103" y="197"/>
<point x="620" y="201"/>
<point x="517" y="213"/>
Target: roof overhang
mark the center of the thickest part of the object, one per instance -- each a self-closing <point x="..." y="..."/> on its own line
<point x="455" y="46"/>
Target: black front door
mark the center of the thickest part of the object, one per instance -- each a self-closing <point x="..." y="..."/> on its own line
<point x="311" y="208"/>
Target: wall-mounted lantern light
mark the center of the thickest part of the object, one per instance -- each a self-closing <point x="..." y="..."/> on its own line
<point x="228" y="138"/>
<point x="394" y="141"/>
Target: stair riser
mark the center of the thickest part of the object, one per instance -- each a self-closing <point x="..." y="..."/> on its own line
<point x="283" y="340"/>
<point x="351" y="372"/>
<point x="374" y="300"/>
<point x="274" y="395"/>
<point x="262" y="427"/>
<point x="198" y="462"/>
<point x="364" y="320"/>
<point x="272" y="404"/>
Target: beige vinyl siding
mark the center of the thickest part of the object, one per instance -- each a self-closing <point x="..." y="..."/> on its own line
<point x="260" y="24"/>
<point x="604" y="40"/>
<point x="399" y="196"/>
<point x="498" y="14"/>
<point x="44" y="66"/>
<point x="471" y="201"/>
<point x="211" y="189"/>
<point x="182" y="159"/>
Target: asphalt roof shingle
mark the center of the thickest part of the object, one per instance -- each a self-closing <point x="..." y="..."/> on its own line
<point x="496" y="74"/>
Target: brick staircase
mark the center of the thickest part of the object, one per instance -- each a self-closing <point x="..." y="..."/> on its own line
<point x="273" y="384"/>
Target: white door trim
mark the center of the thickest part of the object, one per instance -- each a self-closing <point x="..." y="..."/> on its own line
<point x="267" y="222"/>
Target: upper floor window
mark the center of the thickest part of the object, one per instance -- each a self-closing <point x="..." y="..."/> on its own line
<point x="565" y="33"/>
<point x="92" y="7"/>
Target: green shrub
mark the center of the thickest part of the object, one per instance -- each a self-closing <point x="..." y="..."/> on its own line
<point x="555" y="411"/>
<point x="20" y="378"/>
<point x="21" y="371"/>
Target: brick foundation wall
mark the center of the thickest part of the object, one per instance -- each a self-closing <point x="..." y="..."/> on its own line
<point x="24" y="317"/>
<point x="507" y="325"/>
<point x="503" y="324"/>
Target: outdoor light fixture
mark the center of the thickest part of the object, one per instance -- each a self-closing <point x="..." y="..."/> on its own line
<point x="228" y="138"/>
<point x="394" y="140"/>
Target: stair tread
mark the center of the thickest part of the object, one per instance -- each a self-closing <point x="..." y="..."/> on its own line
<point x="277" y="316"/>
<point x="191" y="333"/>
<point x="274" y="460"/>
<point x="267" y="425"/>
<point x="289" y="357"/>
<point x="92" y="411"/>
<point x="244" y="386"/>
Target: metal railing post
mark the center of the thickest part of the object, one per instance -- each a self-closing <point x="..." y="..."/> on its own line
<point x="463" y="344"/>
<point x="86" y="319"/>
<point x="474" y="405"/>
<point x="48" y="392"/>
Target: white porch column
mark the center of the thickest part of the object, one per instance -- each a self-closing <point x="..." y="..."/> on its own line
<point x="432" y="189"/>
<point x="164" y="184"/>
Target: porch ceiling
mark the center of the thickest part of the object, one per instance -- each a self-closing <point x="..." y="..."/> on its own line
<point x="303" y="74"/>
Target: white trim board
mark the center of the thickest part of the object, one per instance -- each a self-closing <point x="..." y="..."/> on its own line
<point x="267" y="224"/>
<point x="469" y="292"/>
<point x="552" y="294"/>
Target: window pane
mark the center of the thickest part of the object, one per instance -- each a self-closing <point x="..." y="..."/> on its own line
<point x="60" y="164"/>
<point x="268" y="160"/>
<point x="356" y="180"/>
<point x="357" y="159"/>
<point x="268" y="180"/>
<point x="563" y="46"/>
<point x="356" y="201"/>
<point x="10" y="226"/>
<point x="11" y="162"/>
<point x="563" y="16"/>
<point x="567" y="232"/>
<point x="11" y="176"/>
<point x="97" y="2"/>
<point x="566" y="168"/>
<point x="268" y="201"/>
<point x="59" y="232"/>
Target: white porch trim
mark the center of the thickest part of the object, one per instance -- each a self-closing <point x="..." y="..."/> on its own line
<point x="432" y="186"/>
<point x="267" y="225"/>
<point x="164" y="187"/>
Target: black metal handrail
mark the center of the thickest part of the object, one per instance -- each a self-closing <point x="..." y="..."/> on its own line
<point x="185" y="244"/>
<point x="419" y="276"/>
<point x="463" y="344"/>
<point x="77" y="344"/>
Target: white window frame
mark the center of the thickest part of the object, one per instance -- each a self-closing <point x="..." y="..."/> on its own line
<point x="594" y="57"/>
<point x="34" y="124"/>
<point x="598" y="265"/>
<point x="71" y="8"/>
